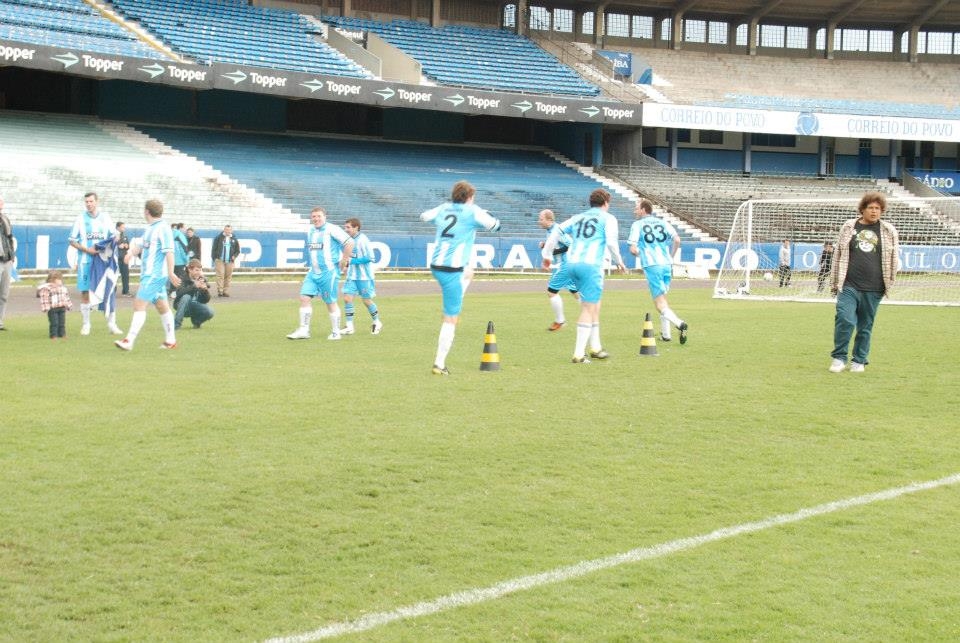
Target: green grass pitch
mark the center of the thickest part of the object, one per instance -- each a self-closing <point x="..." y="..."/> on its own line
<point x="246" y="486"/>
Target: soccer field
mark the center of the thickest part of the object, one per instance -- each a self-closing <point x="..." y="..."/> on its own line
<point x="245" y="486"/>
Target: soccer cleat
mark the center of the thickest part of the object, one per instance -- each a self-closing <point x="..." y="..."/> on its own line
<point x="114" y="329"/>
<point x="856" y="367"/>
<point x="438" y="370"/>
<point x="683" y="332"/>
<point x="837" y="366"/>
<point x="168" y="345"/>
<point x="664" y="338"/>
<point x="300" y="333"/>
<point x="85" y="329"/>
<point x="555" y="326"/>
<point x="580" y="360"/>
<point x="600" y="354"/>
<point x="376" y="327"/>
<point x="124" y="344"/>
<point x="347" y="331"/>
<point x="334" y="337"/>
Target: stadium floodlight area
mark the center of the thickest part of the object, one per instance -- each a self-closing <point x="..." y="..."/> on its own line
<point x="929" y="231"/>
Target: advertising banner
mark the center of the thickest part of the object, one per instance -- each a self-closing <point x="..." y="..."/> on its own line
<point x="292" y="84"/>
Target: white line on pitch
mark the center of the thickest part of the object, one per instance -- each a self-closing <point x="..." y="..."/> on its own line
<point x="503" y="588"/>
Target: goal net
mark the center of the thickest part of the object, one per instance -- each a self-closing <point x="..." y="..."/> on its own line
<point x="929" y="231"/>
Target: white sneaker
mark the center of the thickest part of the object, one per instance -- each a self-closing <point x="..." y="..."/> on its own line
<point x="856" y="367"/>
<point x="114" y="329"/>
<point x="124" y="344"/>
<point x="837" y="366"/>
<point x="300" y="333"/>
<point x="333" y="336"/>
<point x="377" y="327"/>
<point x="347" y="331"/>
<point x="85" y="329"/>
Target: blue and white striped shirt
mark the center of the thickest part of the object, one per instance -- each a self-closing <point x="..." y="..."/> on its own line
<point x="87" y="231"/>
<point x="157" y="242"/>
<point x="591" y="234"/>
<point x="457" y="225"/>
<point x="653" y="238"/>
<point x="361" y="261"/>
<point x="325" y="247"/>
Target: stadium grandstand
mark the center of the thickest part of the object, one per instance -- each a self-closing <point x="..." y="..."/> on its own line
<point x="253" y="112"/>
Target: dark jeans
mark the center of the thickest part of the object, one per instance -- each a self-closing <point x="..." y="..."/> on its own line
<point x="855" y="310"/>
<point x="785" y="273"/>
<point x="188" y="307"/>
<point x="124" y="277"/>
<point x="58" y="322"/>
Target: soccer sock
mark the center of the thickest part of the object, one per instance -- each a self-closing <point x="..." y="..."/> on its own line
<point x="595" y="344"/>
<point x="112" y="318"/>
<point x="583" y="334"/>
<point x="348" y="311"/>
<point x="335" y="321"/>
<point x="445" y="343"/>
<point x="139" y="317"/>
<point x="671" y="317"/>
<point x="306" y="313"/>
<point x="166" y="320"/>
<point x="664" y="326"/>
<point x="374" y="313"/>
<point x="85" y="314"/>
<point x="557" y="305"/>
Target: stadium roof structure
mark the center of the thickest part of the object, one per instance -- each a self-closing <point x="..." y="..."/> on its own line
<point x="930" y="15"/>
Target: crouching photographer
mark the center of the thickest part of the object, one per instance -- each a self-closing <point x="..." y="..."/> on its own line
<point x="192" y="297"/>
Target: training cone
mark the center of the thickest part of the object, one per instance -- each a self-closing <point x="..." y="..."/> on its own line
<point x="648" y="342"/>
<point x="490" y="360"/>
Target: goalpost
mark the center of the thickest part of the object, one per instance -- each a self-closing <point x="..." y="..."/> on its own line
<point x="929" y="231"/>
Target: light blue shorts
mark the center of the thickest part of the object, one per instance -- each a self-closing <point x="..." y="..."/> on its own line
<point x="323" y="285"/>
<point x="560" y="279"/>
<point x="451" y="287"/>
<point x="83" y="276"/>
<point x="152" y="289"/>
<point x="658" y="279"/>
<point x="362" y="287"/>
<point x="588" y="279"/>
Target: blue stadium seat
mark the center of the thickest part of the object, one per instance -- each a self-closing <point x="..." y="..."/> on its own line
<point x="234" y="32"/>
<point x="389" y="184"/>
<point x="479" y="58"/>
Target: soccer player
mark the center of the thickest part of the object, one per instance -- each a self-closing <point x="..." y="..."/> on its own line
<point x="90" y="227"/>
<point x="156" y="268"/>
<point x="328" y="252"/>
<point x="591" y="233"/>
<point x="457" y="223"/>
<point x="656" y="242"/>
<point x="359" y="279"/>
<point x="558" y="274"/>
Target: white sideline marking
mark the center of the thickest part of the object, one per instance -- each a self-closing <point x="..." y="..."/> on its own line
<point x="480" y="595"/>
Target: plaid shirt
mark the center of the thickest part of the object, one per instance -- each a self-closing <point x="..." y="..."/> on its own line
<point x="889" y="255"/>
<point x="53" y="296"/>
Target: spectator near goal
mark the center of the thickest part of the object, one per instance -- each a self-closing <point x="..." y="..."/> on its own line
<point x="864" y="270"/>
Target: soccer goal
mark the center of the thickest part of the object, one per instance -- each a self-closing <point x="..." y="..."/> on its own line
<point x="929" y="231"/>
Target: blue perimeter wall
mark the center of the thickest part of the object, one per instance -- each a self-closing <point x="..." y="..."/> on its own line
<point x="45" y="247"/>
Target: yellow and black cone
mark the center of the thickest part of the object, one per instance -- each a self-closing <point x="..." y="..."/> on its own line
<point x="490" y="360"/>
<point x="648" y="342"/>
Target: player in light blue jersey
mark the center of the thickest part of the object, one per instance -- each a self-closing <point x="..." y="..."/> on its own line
<point x="156" y="268"/>
<point x="559" y="279"/>
<point x="655" y="243"/>
<point x="89" y="228"/>
<point x="328" y="253"/>
<point x="592" y="234"/>
<point x="457" y="223"/>
<point x="359" y="279"/>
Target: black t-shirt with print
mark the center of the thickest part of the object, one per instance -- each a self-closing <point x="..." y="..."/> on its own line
<point x="864" y="271"/>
